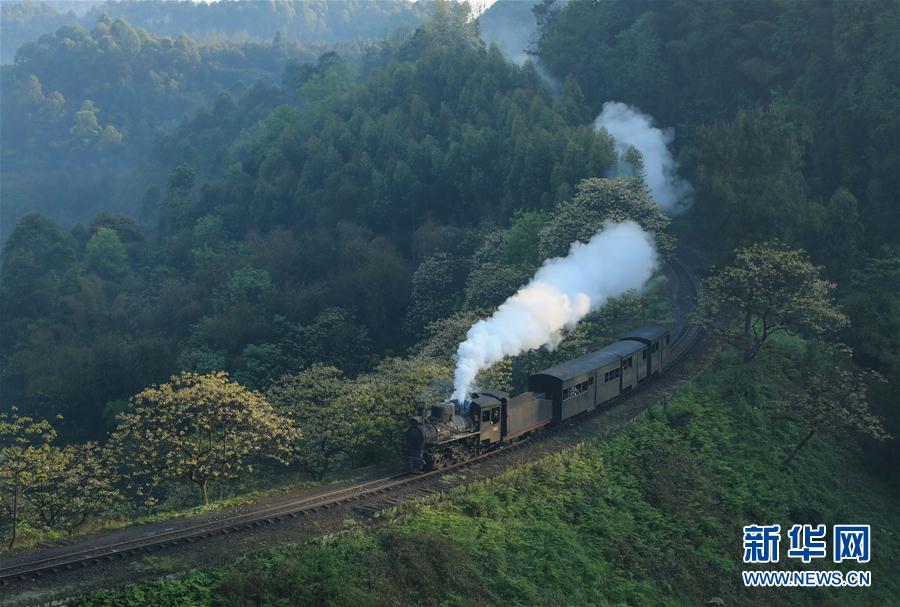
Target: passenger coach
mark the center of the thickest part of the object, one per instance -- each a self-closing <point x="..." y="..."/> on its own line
<point x="589" y="381"/>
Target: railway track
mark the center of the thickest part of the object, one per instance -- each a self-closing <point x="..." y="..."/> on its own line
<point x="688" y="289"/>
<point x="69" y="561"/>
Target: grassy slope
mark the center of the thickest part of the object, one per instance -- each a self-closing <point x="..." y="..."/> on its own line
<point x="651" y="516"/>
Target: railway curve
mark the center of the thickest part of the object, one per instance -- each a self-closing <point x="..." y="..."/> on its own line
<point x="371" y="495"/>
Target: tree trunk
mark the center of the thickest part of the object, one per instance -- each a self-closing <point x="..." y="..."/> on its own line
<point x="796" y="450"/>
<point x="748" y="340"/>
<point x="203" y="492"/>
<point x="15" y="512"/>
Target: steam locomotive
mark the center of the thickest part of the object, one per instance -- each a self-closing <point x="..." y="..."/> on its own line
<point x="451" y="432"/>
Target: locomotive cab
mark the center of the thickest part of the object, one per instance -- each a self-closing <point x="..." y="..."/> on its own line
<point x="488" y="416"/>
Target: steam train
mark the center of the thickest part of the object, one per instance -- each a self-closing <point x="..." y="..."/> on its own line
<point x="450" y="432"/>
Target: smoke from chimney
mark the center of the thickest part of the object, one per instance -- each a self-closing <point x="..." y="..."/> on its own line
<point x="629" y="127"/>
<point x="564" y="290"/>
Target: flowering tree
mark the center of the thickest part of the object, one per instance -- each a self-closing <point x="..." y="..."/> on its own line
<point x="319" y="401"/>
<point x="768" y="290"/>
<point x="77" y="482"/>
<point x="57" y="487"/>
<point x="597" y="201"/>
<point x="25" y="452"/>
<point x="198" y="428"/>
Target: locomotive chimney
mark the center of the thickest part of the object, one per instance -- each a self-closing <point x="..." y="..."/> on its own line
<point x="442" y="412"/>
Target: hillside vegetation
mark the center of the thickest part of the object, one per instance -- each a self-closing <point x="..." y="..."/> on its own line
<point x="651" y="516"/>
<point x="337" y="227"/>
<point x="291" y="20"/>
<point x="287" y="242"/>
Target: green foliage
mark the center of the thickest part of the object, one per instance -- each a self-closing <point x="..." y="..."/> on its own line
<point x="199" y="428"/>
<point x="442" y="337"/>
<point x="245" y="287"/>
<point x="79" y="484"/>
<point x="322" y="404"/>
<point x="768" y="290"/>
<point x="25" y="452"/>
<point x="86" y="129"/>
<point x="831" y="396"/>
<point x="43" y="486"/>
<point x="649" y="516"/>
<point x="437" y="289"/>
<point x="490" y="284"/>
<point x="597" y="201"/>
<point x="35" y="258"/>
<point x="778" y="126"/>
<point x="790" y="141"/>
<point x="843" y="234"/>
<point x="299" y="225"/>
<point x="395" y="388"/>
<point x="105" y="255"/>
<point x="188" y="591"/>
<point x="86" y="104"/>
<point x="750" y="181"/>
<point x="289" y="22"/>
<point x="520" y="246"/>
<point x="360" y="204"/>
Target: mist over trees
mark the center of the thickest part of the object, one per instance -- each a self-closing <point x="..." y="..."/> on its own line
<point x="305" y="248"/>
<point x="324" y="223"/>
<point x="77" y="140"/>
<point x="214" y="22"/>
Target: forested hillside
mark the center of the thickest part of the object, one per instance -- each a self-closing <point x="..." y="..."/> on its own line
<point x="78" y="139"/>
<point x="788" y="118"/>
<point x="344" y="221"/>
<point x="292" y="20"/>
<point x="26" y="21"/>
<point x="86" y="99"/>
<point x="802" y="95"/>
<point x="309" y="231"/>
<point x="652" y="516"/>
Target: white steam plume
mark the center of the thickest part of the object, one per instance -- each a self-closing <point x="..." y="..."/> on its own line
<point x="619" y="258"/>
<point x="628" y="126"/>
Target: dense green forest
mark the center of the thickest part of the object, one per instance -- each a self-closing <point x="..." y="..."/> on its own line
<point x="24" y="21"/>
<point x="351" y="214"/>
<point x="85" y="105"/>
<point x="788" y="118"/>
<point x="324" y="224"/>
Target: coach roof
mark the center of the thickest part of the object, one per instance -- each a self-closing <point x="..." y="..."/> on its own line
<point x="648" y="333"/>
<point x="581" y="365"/>
<point x="626" y="347"/>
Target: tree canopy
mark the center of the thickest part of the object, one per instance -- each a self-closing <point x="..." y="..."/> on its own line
<point x="768" y="290"/>
<point x="197" y="427"/>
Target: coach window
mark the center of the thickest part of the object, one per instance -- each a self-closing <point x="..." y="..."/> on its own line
<point x="495" y="415"/>
<point x="485" y="416"/>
